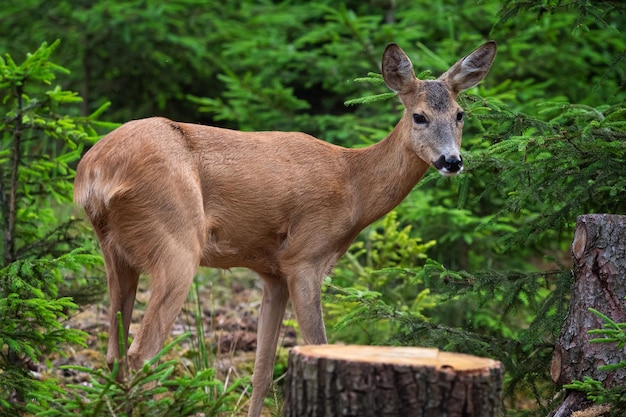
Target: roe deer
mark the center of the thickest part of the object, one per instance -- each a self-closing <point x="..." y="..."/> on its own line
<point x="165" y="197"/>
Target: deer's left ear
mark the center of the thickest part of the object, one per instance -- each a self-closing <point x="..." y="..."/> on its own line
<point x="471" y="70"/>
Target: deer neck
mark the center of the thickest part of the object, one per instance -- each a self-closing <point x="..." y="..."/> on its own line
<point x="384" y="174"/>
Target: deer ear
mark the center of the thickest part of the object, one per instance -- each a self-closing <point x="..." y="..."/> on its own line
<point x="471" y="70"/>
<point x="397" y="69"/>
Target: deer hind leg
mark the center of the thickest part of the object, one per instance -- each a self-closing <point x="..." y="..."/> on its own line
<point x="271" y="313"/>
<point x="171" y="278"/>
<point x="122" y="283"/>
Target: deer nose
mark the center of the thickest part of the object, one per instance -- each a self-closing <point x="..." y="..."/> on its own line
<point x="449" y="165"/>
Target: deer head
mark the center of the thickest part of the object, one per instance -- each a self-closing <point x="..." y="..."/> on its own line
<point x="430" y="105"/>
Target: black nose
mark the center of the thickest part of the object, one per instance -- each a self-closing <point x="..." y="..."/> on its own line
<point x="453" y="164"/>
<point x="450" y="164"/>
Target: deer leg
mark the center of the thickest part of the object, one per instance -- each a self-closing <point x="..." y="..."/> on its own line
<point x="171" y="279"/>
<point x="305" y="293"/>
<point x="271" y="313"/>
<point x="122" y="283"/>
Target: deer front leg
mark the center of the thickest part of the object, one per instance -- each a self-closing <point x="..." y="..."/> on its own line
<point x="271" y="313"/>
<point x="305" y="291"/>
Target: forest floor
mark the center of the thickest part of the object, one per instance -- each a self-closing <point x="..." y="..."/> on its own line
<point x="229" y="302"/>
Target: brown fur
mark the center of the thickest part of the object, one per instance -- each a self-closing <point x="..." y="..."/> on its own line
<point x="165" y="197"/>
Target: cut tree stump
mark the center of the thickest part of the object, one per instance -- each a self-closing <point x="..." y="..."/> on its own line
<point x="599" y="252"/>
<point x="383" y="381"/>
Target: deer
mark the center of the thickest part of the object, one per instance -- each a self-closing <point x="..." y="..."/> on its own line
<point x="166" y="197"/>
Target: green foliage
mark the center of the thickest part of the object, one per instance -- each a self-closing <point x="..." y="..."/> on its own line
<point x="578" y="36"/>
<point x="596" y="11"/>
<point x="160" y="389"/>
<point x="369" y="284"/>
<point x="202" y="358"/>
<point x="32" y="323"/>
<point x="612" y="332"/>
<point x="569" y="147"/>
<point x="39" y="145"/>
<point x="375" y="321"/>
<point x="120" y="51"/>
<point x="25" y="289"/>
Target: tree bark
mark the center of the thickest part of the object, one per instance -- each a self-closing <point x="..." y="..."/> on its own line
<point x="377" y="381"/>
<point x="599" y="253"/>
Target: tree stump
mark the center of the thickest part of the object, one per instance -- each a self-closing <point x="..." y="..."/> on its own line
<point x="382" y="381"/>
<point x="599" y="252"/>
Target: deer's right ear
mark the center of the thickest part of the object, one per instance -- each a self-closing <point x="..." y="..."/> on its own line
<point x="397" y="69"/>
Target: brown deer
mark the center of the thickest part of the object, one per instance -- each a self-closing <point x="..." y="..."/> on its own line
<point x="165" y="197"/>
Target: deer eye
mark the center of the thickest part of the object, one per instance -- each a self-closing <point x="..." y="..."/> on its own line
<point x="420" y="119"/>
<point x="459" y="116"/>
